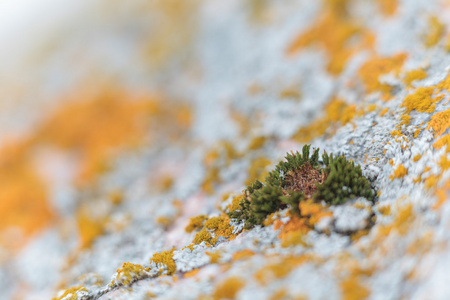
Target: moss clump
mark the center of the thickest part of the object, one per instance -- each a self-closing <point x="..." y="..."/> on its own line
<point x="344" y="181"/>
<point x="301" y="177"/>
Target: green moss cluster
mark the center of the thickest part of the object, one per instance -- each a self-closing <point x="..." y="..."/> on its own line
<point x="344" y="181"/>
<point x="337" y="181"/>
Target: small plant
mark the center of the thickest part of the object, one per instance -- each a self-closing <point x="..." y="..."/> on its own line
<point x="301" y="177"/>
<point x="344" y="181"/>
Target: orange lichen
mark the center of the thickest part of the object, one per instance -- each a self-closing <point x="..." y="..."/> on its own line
<point x="371" y="71"/>
<point x="396" y="133"/>
<point x="191" y="273"/>
<point x="431" y="182"/>
<point x="414" y="75"/>
<point x="280" y="268"/>
<point x="336" y="113"/>
<point x="71" y="291"/>
<point x="293" y="225"/>
<point x="440" y="122"/>
<point x="128" y="273"/>
<point x="229" y="288"/>
<point x="338" y="34"/>
<point x="353" y="289"/>
<point x="443" y="141"/>
<point x="313" y="211"/>
<point x="235" y="203"/>
<point x="444" y="163"/>
<point x="401" y="223"/>
<point x="165" y="258"/>
<point x="417" y="157"/>
<point x="421" y="100"/>
<point x="294" y="238"/>
<point x="400" y="172"/>
<point x="384" y="111"/>
<point x="23" y="194"/>
<point x="442" y="195"/>
<point x="221" y="227"/>
<point x="435" y="33"/>
<point x="203" y="236"/>
<point x="214" y="256"/>
<point x="257" y="143"/>
<point x="89" y="226"/>
<point x="388" y="7"/>
<point x="196" y="223"/>
<point x="243" y="254"/>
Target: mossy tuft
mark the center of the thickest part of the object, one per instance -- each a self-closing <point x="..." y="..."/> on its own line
<point x="298" y="178"/>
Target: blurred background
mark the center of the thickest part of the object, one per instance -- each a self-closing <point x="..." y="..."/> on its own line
<point x="111" y="109"/>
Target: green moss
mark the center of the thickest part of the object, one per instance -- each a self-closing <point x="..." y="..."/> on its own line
<point x="299" y="177"/>
<point x="344" y="181"/>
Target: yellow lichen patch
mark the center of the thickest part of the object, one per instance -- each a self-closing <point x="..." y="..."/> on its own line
<point x="214" y="256"/>
<point x="191" y="273"/>
<point x="89" y="226"/>
<point x="400" y="172"/>
<point x="280" y="268"/>
<point x="388" y="7"/>
<point x="165" y="258"/>
<point x="235" y="203"/>
<point x="128" y="273"/>
<point x="421" y="100"/>
<point x="80" y="127"/>
<point x="396" y="133"/>
<point x="165" y="221"/>
<point x="243" y="254"/>
<point x="71" y="291"/>
<point x="435" y="32"/>
<point x="385" y="210"/>
<point x="313" y="211"/>
<point x="443" y="141"/>
<point x="401" y="223"/>
<point x="441" y="195"/>
<point x="338" y="34"/>
<point x="294" y="238"/>
<point x="196" y="223"/>
<point x="229" y="288"/>
<point x="221" y="227"/>
<point x="404" y="120"/>
<point x="203" y="236"/>
<point x="295" y="224"/>
<point x="257" y="143"/>
<point x="375" y="67"/>
<point x="353" y="289"/>
<point x="440" y="122"/>
<point x="432" y="181"/>
<point x="384" y="111"/>
<point x="258" y="169"/>
<point x="417" y="157"/>
<point x="23" y="194"/>
<point x="444" y="163"/>
<point x="421" y="245"/>
<point x="336" y="113"/>
<point x="414" y="75"/>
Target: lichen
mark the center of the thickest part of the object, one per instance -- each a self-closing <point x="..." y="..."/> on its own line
<point x="129" y="273"/>
<point x="196" y="223"/>
<point x="165" y="259"/>
<point x="229" y="288"/>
